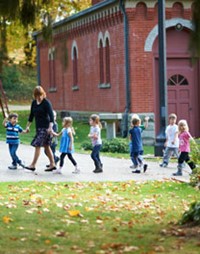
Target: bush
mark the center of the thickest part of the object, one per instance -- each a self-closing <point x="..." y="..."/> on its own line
<point x="115" y="146"/>
<point x="87" y="146"/>
<point x="195" y="157"/>
<point x="18" y="82"/>
<point x="112" y="146"/>
<point x="192" y="215"/>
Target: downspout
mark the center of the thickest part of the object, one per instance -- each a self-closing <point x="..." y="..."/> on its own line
<point x="127" y="78"/>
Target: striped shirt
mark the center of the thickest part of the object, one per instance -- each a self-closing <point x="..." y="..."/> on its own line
<point x="12" y="133"/>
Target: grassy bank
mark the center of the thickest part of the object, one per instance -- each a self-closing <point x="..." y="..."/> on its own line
<point x="95" y="218"/>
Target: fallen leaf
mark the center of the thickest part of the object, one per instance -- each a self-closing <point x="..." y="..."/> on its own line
<point x="74" y="213"/>
<point x="7" y="219"/>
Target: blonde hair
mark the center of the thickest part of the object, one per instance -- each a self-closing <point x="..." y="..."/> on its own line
<point x="183" y="126"/>
<point x="38" y="91"/>
<point x="67" y="120"/>
<point x="96" y="119"/>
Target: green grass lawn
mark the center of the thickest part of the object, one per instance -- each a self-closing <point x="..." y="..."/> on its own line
<point x="127" y="217"/>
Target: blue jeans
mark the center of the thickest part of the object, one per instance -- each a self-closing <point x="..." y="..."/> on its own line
<point x="13" y="149"/>
<point x="169" y="151"/>
<point x="137" y="158"/>
<point x="95" y="155"/>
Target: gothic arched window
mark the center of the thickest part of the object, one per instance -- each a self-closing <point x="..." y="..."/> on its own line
<point x="107" y="60"/>
<point x="101" y="63"/>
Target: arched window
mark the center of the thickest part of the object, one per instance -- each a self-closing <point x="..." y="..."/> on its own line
<point x="75" y="68"/>
<point x="101" y="63"/>
<point x="177" y="79"/>
<point x="107" y="61"/>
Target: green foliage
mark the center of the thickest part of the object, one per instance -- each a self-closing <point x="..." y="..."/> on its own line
<point x="18" y="82"/>
<point x="195" y="33"/>
<point x="113" y="146"/>
<point x="195" y="157"/>
<point x="86" y="145"/>
<point x="192" y="215"/>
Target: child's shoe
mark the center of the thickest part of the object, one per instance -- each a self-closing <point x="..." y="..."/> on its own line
<point x="178" y="173"/>
<point x="136" y="171"/>
<point x="76" y="170"/>
<point x="12" y="167"/>
<point x="145" y="168"/>
<point x="58" y="171"/>
<point x="163" y="165"/>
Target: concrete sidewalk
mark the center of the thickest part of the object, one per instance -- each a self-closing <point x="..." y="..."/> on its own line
<point x="113" y="169"/>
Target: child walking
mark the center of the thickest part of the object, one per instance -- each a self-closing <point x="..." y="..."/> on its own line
<point x="142" y="127"/>
<point x="172" y="141"/>
<point x="95" y="136"/>
<point x="12" y="138"/>
<point x="54" y="141"/>
<point x="137" y="147"/>
<point x="184" y="147"/>
<point x="66" y="145"/>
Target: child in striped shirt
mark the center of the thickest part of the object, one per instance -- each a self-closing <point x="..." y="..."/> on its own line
<point x="12" y="138"/>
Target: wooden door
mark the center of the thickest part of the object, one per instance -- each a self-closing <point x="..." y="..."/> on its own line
<point x="181" y="87"/>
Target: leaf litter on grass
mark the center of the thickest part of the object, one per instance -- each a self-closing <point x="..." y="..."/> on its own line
<point x="112" y="217"/>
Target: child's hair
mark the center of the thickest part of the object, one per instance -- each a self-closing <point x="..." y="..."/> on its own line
<point x="38" y="91"/>
<point x="95" y="118"/>
<point x="11" y="115"/>
<point x="172" y="116"/>
<point x="67" y="120"/>
<point x="135" y="121"/>
<point x="183" y="126"/>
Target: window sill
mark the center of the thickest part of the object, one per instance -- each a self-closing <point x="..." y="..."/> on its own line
<point x="104" y="86"/>
<point x="52" y="89"/>
<point x="75" y="88"/>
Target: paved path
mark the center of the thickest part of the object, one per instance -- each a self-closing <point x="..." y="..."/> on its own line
<point x="114" y="169"/>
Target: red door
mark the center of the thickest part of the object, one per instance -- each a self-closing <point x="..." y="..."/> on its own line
<point x="181" y="87"/>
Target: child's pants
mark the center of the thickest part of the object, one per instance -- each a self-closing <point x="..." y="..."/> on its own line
<point x="184" y="156"/>
<point x="168" y="152"/>
<point x="13" y="149"/>
<point x="62" y="156"/>
<point x="95" y="156"/>
<point x="137" y="158"/>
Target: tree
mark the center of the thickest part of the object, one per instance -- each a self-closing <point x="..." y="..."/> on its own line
<point x="195" y="34"/>
<point x="34" y="15"/>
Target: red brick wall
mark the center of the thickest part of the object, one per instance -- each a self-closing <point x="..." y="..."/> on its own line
<point x="91" y="98"/>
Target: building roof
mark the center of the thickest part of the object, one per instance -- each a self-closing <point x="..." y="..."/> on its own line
<point x="80" y="14"/>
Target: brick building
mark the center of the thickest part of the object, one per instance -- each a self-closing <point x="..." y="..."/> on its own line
<point x="86" y="67"/>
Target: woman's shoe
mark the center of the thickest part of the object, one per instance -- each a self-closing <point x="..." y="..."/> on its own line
<point x="50" y="169"/>
<point x="29" y="169"/>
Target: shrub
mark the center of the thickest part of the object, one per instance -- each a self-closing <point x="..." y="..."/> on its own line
<point x="87" y="146"/>
<point x="18" y="82"/>
<point x="115" y="146"/>
<point x="195" y="157"/>
<point x="112" y="146"/>
<point x="192" y="215"/>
